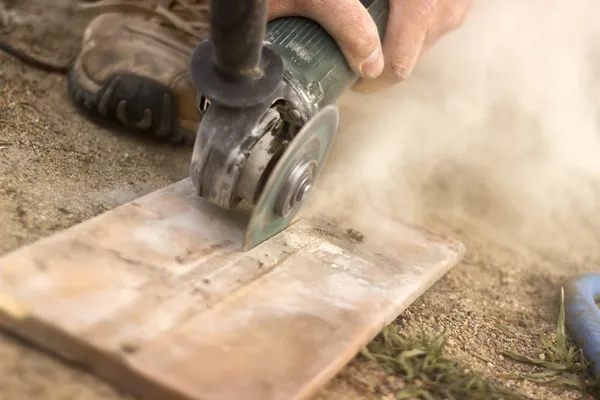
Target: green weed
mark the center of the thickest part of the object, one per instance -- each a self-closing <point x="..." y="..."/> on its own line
<point x="419" y="361"/>
<point x="562" y="363"/>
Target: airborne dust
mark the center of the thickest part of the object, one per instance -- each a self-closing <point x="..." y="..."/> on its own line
<point x="498" y="129"/>
<point x="492" y="140"/>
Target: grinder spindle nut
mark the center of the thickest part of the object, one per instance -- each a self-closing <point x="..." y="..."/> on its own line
<point x="296" y="187"/>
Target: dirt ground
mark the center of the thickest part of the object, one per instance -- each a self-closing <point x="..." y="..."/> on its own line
<point x="58" y="169"/>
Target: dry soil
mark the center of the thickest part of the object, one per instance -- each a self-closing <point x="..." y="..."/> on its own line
<point x="58" y="169"/>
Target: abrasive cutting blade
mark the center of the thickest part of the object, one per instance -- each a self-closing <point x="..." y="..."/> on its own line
<point x="292" y="178"/>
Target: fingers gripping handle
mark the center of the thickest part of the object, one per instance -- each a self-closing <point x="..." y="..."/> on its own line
<point x="314" y="58"/>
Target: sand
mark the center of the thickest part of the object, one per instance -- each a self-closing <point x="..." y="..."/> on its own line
<point x="58" y="169"/>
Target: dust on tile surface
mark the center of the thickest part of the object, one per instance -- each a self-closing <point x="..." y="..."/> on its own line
<point x="58" y="169"/>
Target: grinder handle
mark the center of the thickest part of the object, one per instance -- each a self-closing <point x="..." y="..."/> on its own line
<point x="313" y="61"/>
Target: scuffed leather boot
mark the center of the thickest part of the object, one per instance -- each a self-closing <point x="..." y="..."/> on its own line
<point x="133" y="66"/>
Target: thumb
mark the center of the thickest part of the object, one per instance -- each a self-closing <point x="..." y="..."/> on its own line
<point x="348" y="22"/>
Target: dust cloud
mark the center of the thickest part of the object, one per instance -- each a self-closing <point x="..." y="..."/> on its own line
<point x="497" y="131"/>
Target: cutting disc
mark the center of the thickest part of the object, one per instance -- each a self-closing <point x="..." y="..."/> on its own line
<point x="292" y="178"/>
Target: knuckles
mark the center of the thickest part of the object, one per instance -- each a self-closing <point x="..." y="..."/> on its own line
<point x="423" y="11"/>
<point x="399" y="68"/>
<point x="355" y="31"/>
<point x="454" y="14"/>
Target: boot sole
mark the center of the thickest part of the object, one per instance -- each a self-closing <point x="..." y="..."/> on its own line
<point x="134" y="103"/>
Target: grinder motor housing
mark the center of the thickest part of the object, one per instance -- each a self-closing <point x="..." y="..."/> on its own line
<point x="258" y="85"/>
<point x="315" y="69"/>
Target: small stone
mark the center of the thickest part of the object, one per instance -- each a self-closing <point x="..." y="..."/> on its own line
<point x="130" y="347"/>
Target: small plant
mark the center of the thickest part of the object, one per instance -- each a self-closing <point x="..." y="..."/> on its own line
<point x="562" y="363"/>
<point x="419" y="361"/>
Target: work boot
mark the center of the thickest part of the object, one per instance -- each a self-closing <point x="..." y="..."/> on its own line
<point x="133" y="66"/>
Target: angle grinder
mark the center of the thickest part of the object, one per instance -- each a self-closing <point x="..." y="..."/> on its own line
<point x="267" y="96"/>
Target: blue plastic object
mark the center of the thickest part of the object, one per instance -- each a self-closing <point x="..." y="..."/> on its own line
<point x="582" y="317"/>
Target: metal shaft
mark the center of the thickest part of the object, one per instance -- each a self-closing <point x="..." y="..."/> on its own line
<point x="238" y="29"/>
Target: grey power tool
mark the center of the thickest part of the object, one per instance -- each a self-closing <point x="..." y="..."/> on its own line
<point x="268" y="93"/>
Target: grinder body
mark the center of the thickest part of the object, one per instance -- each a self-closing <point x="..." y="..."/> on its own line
<point x="266" y="92"/>
<point x="315" y="69"/>
<point x="313" y="63"/>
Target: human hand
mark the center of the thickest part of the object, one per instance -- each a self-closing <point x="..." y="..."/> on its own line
<point x="413" y="26"/>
